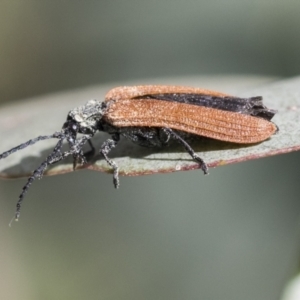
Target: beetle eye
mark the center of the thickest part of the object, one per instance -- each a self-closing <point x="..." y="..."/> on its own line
<point x="74" y="127"/>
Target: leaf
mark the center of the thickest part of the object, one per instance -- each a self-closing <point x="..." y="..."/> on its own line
<point x="20" y="122"/>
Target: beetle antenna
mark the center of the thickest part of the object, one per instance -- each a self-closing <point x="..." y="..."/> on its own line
<point x="57" y="135"/>
<point x="54" y="157"/>
<point x="38" y="173"/>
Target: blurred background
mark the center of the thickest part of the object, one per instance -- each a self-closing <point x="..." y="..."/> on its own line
<point x="56" y="45"/>
<point x="231" y="235"/>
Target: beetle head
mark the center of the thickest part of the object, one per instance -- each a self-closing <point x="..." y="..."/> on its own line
<point x="85" y="119"/>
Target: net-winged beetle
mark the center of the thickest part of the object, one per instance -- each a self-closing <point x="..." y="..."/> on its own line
<point x="151" y="115"/>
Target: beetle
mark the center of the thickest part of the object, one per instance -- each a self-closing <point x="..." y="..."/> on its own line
<point x="151" y="115"/>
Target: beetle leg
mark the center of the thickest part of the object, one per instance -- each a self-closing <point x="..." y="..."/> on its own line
<point x="106" y="147"/>
<point x="188" y="148"/>
<point x="76" y="149"/>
